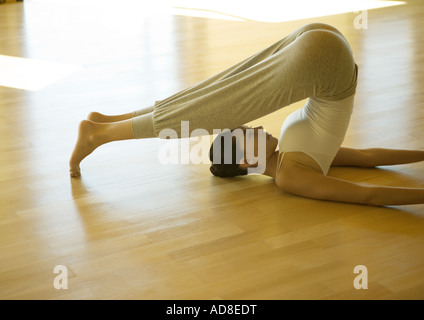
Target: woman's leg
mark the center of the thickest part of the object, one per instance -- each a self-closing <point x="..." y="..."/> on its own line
<point x="375" y="157"/>
<point x="313" y="61"/>
<point x="101" y="118"/>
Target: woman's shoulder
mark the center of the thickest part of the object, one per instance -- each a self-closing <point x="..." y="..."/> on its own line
<point x="300" y="158"/>
<point x="298" y="173"/>
<point x="288" y="161"/>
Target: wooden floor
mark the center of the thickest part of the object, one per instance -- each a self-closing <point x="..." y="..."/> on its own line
<point x="133" y="228"/>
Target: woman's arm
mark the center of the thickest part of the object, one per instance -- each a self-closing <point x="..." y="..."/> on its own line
<point x="301" y="180"/>
<point x="376" y="157"/>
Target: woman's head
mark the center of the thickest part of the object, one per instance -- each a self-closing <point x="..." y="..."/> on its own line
<point x="241" y="151"/>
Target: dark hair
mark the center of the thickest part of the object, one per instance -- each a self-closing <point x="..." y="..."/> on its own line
<point x="220" y="167"/>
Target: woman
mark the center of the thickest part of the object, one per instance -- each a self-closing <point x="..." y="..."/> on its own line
<point x="314" y="62"/>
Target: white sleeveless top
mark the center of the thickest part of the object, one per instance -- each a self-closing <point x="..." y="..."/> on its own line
<point x="318" y="129"/>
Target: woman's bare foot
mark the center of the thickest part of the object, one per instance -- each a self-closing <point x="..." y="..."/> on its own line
<point x="92" y="135"/>
<point x="88" y="140"/>
<point x="101" y="118"/>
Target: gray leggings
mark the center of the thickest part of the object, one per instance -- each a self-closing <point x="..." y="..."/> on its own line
<point x="313" y="61"/>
